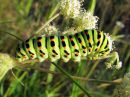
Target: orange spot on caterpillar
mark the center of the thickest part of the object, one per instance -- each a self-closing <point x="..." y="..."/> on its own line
<point x="39" y="40"/>
<point x="75" y="46"/>
<point x="71" y="39"/>
<point x="42" y="55"/>
<point x="24" y="57"/>
<point x="40" y="47"/>
<point x="52" y="39"/>
<point x="90" y="49"/>
<point x="81" y="43"/>
<point x="28" y="49"/>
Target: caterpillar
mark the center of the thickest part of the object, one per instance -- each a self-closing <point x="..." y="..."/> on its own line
<point x="91" y="44"/>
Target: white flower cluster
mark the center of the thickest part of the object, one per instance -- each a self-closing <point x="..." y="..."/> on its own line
<point x="70" y="8"/>
<point x="86" y="21"/>
<point x="81" y="18"/>
<point x="50" y="29"/>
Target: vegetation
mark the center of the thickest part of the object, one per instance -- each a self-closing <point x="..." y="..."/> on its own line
<point x="21" y="19"/>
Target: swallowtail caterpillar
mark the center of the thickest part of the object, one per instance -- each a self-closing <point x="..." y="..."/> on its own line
<point x="90" y="44"/>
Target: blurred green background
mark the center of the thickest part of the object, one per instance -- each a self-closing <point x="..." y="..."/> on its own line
<point x="23" y="17"/>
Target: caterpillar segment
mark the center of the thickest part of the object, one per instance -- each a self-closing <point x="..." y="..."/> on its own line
<point x="82" y="44"/>
<point x="53" y="48"/>
<point x="98" y="37"/>
<point x="21" y="54"/>
<point x="75" y="51"/>
<point x="41" y="48"/>
<point x="91" y="44"/>
<point x="65" y="50"/>
<point x="88" y="39"/>
<point x="29" y="48"/>
<point x="105" y="47"/>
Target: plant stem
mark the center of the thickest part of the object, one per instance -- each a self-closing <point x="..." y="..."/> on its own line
<point x="91" y="6"/>
<point x="67" y="75"/>
<point x="50" y="20"/>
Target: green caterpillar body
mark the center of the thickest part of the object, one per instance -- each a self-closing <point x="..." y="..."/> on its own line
<point x="88" y="43"/>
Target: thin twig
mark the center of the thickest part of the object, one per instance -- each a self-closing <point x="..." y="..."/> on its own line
<point x="50" y="20"/>
<point x="74" y="77"/>
<point x="104" y="85"/>
<point x="13" y="35"/>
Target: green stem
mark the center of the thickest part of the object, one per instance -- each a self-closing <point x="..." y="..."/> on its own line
<point x="91" y="6"/>
<point x="50" y="76"/>
<point x="67" y="75"/>
<point x="92" y="69"/>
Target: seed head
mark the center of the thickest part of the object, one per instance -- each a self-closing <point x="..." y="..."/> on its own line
<point x="6" y="63"/>
<point x="70" y="8"/>
<point x="50" y="29"/>
<point x="86" y="21"/>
